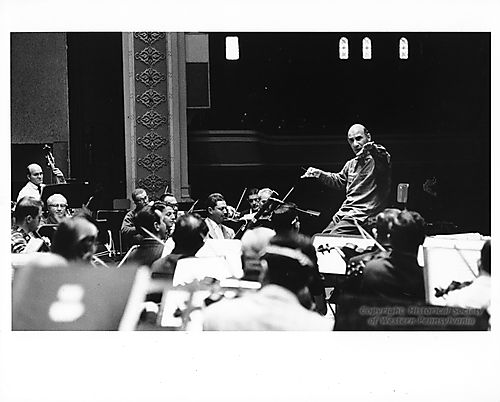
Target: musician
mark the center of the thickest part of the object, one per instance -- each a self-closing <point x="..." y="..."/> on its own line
<point x="478" y="293"/>
<point x="75" y="239"/>
<point x="285" y="221"/>
<point x="189" y="236"/>
<point x="266" y="208"/>
<point x="152" y="219"/>
<point x="384" y="222"/>
<point x="264" y="195"/>
<point x="34" y="186"/>
<point x="169" y="199"/>
<point x="253" y="242"/>
<point x="217" y="211"/>
<point x="27" y="213"/>
<point x="398" y="275"/>
<point x="57" y="209"/>
<point x="129" y="232"/>
<point x="253" y="201"/>
<point x="366" y="179"/>
<point x="277" y="305"/>
<point x="173" y="211"/>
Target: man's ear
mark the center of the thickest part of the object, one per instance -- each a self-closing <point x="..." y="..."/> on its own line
<point x="210" y="210"/>
<point x="157" y="226"/>
<point x="369" y="136"/>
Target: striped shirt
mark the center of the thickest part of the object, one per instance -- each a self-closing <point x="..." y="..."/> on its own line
<point x="18" y="239"/>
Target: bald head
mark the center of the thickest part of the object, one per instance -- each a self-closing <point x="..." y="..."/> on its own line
<point x="35" y="174"/>
<point x="264" y="195"/>
<point x="57" y="207"/>
<point x="255" y="240"/>
<point x="357" y="136"/>
<point x="57" y="199"/>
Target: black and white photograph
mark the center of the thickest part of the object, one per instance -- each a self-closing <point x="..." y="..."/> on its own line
<point x="280" y="194"/>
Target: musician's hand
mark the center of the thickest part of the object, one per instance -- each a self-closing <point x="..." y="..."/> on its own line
<point x="46" y="240"/>
<point x="57" y="172"/>
<point x="230" y="211"/>
<point x="311" y="172"/>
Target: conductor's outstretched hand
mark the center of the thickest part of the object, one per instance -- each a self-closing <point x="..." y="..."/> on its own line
<point x="311" y="172"/>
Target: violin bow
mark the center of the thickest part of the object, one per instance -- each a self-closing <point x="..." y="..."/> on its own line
<point x="287" y="194"/>
<point x="152" y="235"/>
<point x="192" y="207"/>
<point x="241" y="199"/>
<point x="367" y="235"/>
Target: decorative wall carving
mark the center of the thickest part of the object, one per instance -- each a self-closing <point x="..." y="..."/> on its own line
<point x="149" y="37"/>
<point x="152" y="162"/>
<point x="152" y="124"/>
<point x="152" y="183"/>
<point x="152" y="141"/>
<point x="151" y="119"/>
<point x="150" y="77"/>
<point x="151" y="98"/>
<point x="149" y="56"/>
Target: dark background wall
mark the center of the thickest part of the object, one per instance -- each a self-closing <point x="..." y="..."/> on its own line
<point x="69" y="82"/>
<point x="39" y="102"/>
<point x="289" y="101"/>
<point x="95" y="72"/>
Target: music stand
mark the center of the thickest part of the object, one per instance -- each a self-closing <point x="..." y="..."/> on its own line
<point x="77" y="194"/>
<point x="447" y="260"/>
<point x="331" y="262"/>
<point x="68" y="298"/>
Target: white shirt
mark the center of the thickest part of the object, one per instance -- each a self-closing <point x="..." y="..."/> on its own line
<point x="476" y="295"/>
<point x="273" y="308"/>
<point x="169" y="246"/>
<point x="30" y="190"/>
<point x="215" y="230"/>
<point x="197" y="268"/>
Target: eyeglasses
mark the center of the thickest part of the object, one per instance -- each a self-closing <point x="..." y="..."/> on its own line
<point x="173" y="205"/>
<point x="58" y="205"/>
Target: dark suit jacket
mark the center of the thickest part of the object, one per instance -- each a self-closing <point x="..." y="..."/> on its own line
<point x="397" y="276"/>
<point x="147" y="253"/>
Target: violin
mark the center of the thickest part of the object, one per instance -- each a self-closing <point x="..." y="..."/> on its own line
<point x="354" y="256"/>
<point x="264" y="213"/>
<point x="454" y="285"/>
<point x="45" y="244"/>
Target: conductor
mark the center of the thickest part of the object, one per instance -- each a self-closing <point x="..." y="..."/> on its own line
<point x="366" y="179"/>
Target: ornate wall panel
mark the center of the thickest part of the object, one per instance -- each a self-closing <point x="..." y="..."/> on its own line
<point x="151" y="111"/>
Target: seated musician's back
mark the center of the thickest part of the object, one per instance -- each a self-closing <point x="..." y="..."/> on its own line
<point x="398" y="275"/>
<point x="189" y="236"/>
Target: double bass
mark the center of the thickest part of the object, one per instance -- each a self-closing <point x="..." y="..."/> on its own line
<point x="51" y="162"/>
